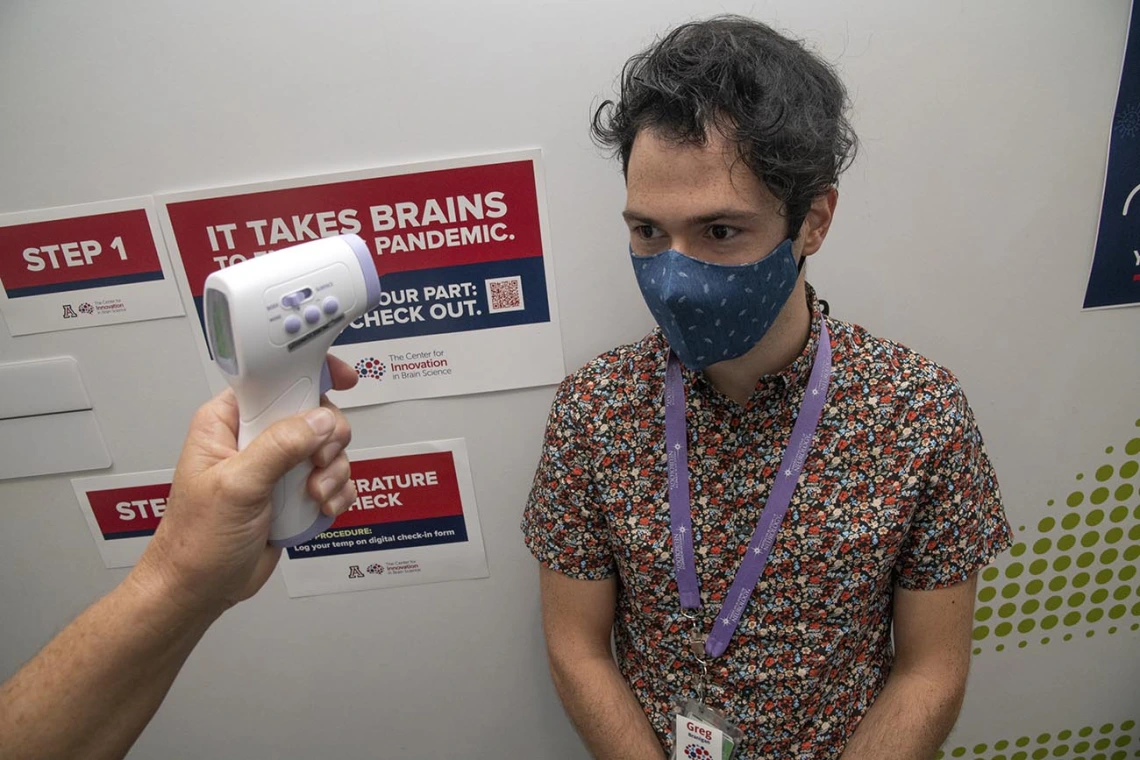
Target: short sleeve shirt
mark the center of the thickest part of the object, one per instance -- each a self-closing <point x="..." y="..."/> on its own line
<point x="897" y="490"/>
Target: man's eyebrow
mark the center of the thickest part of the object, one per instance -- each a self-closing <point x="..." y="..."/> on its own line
<point x="631" y="215"/>
<point x="722" y="215"/>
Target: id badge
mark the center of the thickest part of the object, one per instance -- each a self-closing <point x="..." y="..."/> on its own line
<point x="703" y="733"/>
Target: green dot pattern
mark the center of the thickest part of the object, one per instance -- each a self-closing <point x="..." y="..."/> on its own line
<point x="1075" y="569"/>
<point x="1068" y="578"/>
<point x="1104" y="742"/>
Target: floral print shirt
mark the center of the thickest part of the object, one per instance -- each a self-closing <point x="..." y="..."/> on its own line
<point x="897" y="491"/>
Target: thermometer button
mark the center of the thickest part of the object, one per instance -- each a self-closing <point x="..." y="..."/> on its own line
<point x="331" y="305"/>
<point x="312" y="314"/>
<point x="292" y="324"/>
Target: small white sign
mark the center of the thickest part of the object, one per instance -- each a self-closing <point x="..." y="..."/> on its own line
<point x="414" y="521"/>
<point x="123" y="511"/>
<point x="84" y="266"/>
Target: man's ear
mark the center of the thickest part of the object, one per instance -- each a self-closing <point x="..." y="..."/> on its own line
<point x="818" y="221"/>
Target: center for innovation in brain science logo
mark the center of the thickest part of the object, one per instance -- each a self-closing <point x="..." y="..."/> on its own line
<point x="696" y="752"/>
<point x="370" y="367"/>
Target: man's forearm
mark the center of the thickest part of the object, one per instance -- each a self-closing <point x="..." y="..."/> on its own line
<point x="605" y="711"/>
<point x="909" y="721"/>
<point x="90" y="692"/>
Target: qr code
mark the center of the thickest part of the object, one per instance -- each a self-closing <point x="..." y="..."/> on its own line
<point x="504" y="294"/>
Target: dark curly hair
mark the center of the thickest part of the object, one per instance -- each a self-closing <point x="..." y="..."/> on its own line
<point x="780" y="104"/>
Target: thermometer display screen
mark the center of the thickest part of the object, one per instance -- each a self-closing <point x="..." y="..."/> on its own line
<point x="220" y="331"/>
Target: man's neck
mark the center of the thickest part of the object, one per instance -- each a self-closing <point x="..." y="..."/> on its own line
<point x="779" y="348"/>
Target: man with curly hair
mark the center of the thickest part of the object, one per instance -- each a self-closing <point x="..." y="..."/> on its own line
<point x="777" y="516"/>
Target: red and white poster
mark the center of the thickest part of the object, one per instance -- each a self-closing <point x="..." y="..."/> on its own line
<point x="414" y="521"/>
<point x="83" y="266"/>
<point x="467" y="299"/>
<point x="123" y="512"/>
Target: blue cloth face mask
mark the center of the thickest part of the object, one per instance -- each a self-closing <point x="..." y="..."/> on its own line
<point x="710" y="313"/>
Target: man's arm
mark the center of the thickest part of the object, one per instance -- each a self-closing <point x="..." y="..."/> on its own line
<point x="90" y="692"/>
<point x="578" y="617"/>
<point x="923" y="694"/>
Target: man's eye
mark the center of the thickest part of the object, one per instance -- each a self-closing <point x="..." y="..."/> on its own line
<point x="644" y="231"/>
<point x="722" y="232"/>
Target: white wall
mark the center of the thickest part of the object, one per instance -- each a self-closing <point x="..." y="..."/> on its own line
<point x="965" y="230"/>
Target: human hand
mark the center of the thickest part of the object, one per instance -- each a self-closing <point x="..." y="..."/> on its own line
<point x="210" y="549"/>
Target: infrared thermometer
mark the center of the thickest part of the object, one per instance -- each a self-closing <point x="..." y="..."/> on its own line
<point x="270" y="321"/>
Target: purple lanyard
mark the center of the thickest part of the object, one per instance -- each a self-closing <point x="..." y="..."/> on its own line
<point x="780" y="496"/>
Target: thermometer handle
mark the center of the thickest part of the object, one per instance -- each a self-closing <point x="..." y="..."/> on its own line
<point x="297" y="517"/>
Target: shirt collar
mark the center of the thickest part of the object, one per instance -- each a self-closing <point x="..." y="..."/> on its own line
<point x="792" y="376"/>
<point x="797" y="373"/>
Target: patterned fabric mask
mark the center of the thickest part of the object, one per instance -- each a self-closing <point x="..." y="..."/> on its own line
<point x="710" y="313"/>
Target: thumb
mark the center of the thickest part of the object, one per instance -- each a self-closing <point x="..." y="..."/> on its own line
<point x="250" y="475"/>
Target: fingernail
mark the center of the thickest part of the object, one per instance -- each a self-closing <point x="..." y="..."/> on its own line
<point x="328" y="453"/>
<point x="321" y="420"/>
<point x="327" y="487"/>
<point x="337" y="505"/>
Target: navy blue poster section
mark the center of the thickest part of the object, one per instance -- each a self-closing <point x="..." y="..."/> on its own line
<point x="449" y="299"/>
<point x="397" y="535"/>
<point x="1115" y="276"/>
